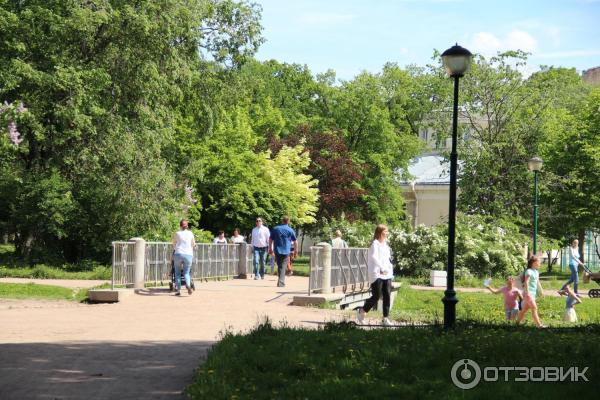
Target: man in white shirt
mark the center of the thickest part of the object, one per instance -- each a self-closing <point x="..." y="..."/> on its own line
<point x="260" y="242"/>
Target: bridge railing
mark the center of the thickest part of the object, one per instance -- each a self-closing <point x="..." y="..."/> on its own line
<point x="123" y="262"/>
<point x="334" y="270"/>
<point x="210" y="261"/>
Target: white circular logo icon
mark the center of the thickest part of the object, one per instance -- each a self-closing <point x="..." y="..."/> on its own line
<point x="465" y="374"/>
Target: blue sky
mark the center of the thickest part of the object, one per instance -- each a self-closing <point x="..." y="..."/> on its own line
<point x="352" y="35"/>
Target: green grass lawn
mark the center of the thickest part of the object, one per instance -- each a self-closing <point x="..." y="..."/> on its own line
<point x="425" y="306"/>
<point x="341" y="362"/>
<point x="301" y="265"/>
<point x="11" y="266"/>
<point x="45" y="292"/>
<point x="553" y="280"/>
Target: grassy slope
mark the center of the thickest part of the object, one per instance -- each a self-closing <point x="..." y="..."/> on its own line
<point x="426" y="306"/>
<point x="34" y="291"/>
<point x="411" y="362"/>
<point x="346" y="363"/>
<point x="12" y="266"/>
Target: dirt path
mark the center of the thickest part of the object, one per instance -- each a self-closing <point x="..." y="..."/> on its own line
<point x="144" y="347"/>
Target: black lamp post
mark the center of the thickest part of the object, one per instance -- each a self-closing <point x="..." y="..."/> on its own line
<point x="456" y="61"/>
<point x="535" y="165"/>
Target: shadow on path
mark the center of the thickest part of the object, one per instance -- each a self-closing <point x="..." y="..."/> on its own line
<point x="98" y="370"/>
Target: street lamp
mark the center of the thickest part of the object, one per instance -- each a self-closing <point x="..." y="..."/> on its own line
<point x="456" y="60"/>
<point x="535" y="165"/>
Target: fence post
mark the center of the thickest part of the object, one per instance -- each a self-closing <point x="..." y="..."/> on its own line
<point x="325" y="261"/>
<point x="242" y="261"/>
<point x="139" y="263"/>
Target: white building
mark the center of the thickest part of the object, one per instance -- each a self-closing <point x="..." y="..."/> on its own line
<point x="427" y="193"/>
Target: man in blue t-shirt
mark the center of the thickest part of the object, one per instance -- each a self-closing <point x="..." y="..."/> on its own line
<point x="280" y="244"/>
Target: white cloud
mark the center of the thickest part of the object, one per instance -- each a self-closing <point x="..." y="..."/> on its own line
<point x="569" y="53"/>
<point x="485" y="43"/>
<point x="324" y="18"/>
<point x="553" y="33"/>
<point x="488" y="44"/>
<point x="518" y="39"/>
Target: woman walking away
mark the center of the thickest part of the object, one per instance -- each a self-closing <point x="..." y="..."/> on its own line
<point x="531" y="287"/>
<point x="574" y="263"/>
<point x="381" y="273"/>
<point x="183" y="245"/>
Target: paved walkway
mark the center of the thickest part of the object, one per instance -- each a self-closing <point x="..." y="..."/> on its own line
<point x="144" y="347"/>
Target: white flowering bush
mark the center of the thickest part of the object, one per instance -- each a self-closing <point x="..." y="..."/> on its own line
<point x="482" y="249"/>
<point x="418" y="251"/>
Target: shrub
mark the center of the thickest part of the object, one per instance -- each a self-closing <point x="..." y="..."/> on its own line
<point x="202" y="236"/>
<point x="417" y="252"/>
<point x="482" y="248"/>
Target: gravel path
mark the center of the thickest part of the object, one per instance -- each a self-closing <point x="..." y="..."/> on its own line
<point x="144" y="347"/>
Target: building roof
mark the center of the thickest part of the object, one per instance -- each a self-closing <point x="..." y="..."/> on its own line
<point x="429" y="169"/>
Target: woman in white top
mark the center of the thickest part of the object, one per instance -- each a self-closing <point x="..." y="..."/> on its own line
<point x="574" y="263"/>
<point x="220" y="239"/>
<point x="381" y="273"/>
<point x="183" y="245"/>
<point x="237" y="238"/>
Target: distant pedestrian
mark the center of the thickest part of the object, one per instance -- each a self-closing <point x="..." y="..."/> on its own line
<point x="572" y="300"/>
<point x="381" y="274"/>
<point x="280" y="244"/>
<point x="220" y="239"/>
<point x="183" y="246"/>
<point x="272" y="264"/>
<point x="260" y="244"/>
<point x="531" y="288"/>
<point x="237" y="238"/>
<point x="290" y="266"/>
<point x="337" y="242"/>
<point x="574" y="263"/>
<point x="511" y="298"/>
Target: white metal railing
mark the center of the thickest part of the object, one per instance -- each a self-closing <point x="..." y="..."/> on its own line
<point x="210" y="261"/>
<point x="123" y="260"/>
<point x="348" y="269"/>
<point x="315" y="270"/>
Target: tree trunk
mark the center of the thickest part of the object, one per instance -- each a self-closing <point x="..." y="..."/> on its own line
<point x="302" y="243"/>
<point x="581" y="238"/>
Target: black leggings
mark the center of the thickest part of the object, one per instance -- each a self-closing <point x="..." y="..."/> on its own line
<point x="378" y="288"/>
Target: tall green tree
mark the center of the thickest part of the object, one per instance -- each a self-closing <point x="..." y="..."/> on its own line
<point x="362" y="114"/>
<point x="572" y="168"/>
<point x="102" y="81"/>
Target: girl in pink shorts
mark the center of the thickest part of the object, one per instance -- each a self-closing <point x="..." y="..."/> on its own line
<point x="511" y="298"/>
<point x="531" y="287"/>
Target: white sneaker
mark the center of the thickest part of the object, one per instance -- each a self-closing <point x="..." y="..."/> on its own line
<point x="386" y="322"/>
<point x="360" y="315"/>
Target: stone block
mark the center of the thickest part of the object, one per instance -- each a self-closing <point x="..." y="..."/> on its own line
<point x="317" y="299"/>
<point x="107" y="295"/>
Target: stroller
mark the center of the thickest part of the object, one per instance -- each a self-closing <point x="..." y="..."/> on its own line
<point x="172" y="285"/>
<point x="594" y="276"/>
